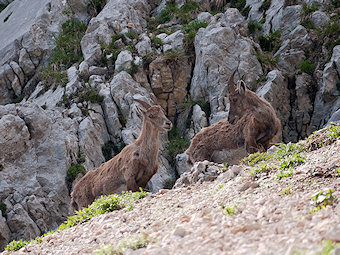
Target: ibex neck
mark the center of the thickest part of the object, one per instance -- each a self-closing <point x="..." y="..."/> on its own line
<point x="148" y="137"/>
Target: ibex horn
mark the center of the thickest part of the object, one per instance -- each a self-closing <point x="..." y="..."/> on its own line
<point x="144" y="104"/>
<point x="231" y="86"/>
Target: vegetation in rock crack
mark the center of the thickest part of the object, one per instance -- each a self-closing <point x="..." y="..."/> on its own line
<point x="104" y="204"/>
<point x="287" y="191"/>
<point x="177" y="143"/>
<point x="110" y="149"/>
<point x="307" y="67"/>
<point x="95" y="6"/>
<point x="133" y="242"/>
<point x="190" y="33"/>
<point x="90" y="94"/>
<point x="270" y="42"/>
<point x="265" y="5"/>
<point x="3" y="210"/>
<point x="321" y="199"/>
<point x="73" y="171"/>
<point x="254" y="26"/>
<point x="3" y="6"/>
<point x="66" y="53"/>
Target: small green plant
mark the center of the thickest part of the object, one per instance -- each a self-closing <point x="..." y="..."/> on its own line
<point x="287" y="191"/>
<point x="284" y="174"/>
<point x="73" y="171"/>
<point x="95" y="6"/>
<point x="177" y="143"/>
<point x="254" y="26"/>
<point x="265" y="5"/>
<point x="90" y="95"/>
<point x="190" y="31"/>
<point x="224" y="168"/>
<point x="307" y="67"/>
<point x="261" y="167"/>
<point x="328" y="246"/>
<point x="53" y="76"/>
<point x="16" y="245"/>
<point x="338" y="171"/>
<point x="3" y="209"/>
<point x="131" y="35"/>
<point x="157" y="41"/>
<point x="3" y="6"/>
<point x="321" y="199"/>
<point x="292" y="161"/>
<point x="105" y="250"/>
<point x="310" y="8"/>
<point x="220" y="186"/>
<point x="229" y="210"/>
<point x="270" y="42"/>
<point x="255" y="158"/>
<point x="110" y="149"/>
<point x="334" y="132"/>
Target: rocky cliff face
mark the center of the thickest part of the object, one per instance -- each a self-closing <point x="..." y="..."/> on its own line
<point x="69" y="71"/>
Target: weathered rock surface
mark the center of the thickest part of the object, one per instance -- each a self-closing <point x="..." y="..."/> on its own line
<point x="115" y="18"/>
<point x="22" y="52"/>
<point x="220" y="49"/>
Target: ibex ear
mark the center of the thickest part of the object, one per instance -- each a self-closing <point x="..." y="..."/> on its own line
<point x="241" y="87"/>
<point x="140" y="110"/>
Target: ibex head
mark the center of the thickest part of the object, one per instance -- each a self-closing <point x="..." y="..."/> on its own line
<point x="237" y="99"/>
<point x="154" y="114"/>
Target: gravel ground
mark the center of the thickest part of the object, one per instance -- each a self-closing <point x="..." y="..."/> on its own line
<point x="193" y="219"/>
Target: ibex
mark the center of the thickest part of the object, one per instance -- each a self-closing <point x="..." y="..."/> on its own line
<point x="132" y="168"/>
<point x="254" y="125"/>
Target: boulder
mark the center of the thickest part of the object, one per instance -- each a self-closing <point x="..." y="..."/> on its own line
<point x="319" y="19"/>
<point x="5" y="233"/>
<point x="123" y="61"/>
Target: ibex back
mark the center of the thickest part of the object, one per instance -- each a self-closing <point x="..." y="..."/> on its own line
<point x="132" y="168"/>
<point x="252" y="124"/>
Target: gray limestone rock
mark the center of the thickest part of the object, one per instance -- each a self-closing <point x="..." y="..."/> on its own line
<point x="144" y="45"/>
<point x="319" y="19"/>
<point x="116" y="17"/>
<point x="29" y="46"/>
<point x="123" y="61"/>
<point x="220" y="49"/>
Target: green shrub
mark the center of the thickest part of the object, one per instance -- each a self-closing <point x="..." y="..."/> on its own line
<point x="110" y="149"/>
<point x="3" y="6"/>
<point x="254" y="26"/>
<point x="157" y="41"/>
<point x="16" y="245"/>
<point x="68" y="49"/>
<point x="270" y="42"/>
<point x="177" y="143"/>
<point x="307" y="67"/>
<point x="95" y="6"/>
<point x="53" y="76"/>
<point x="3" y="209"/>
<point x="265" y="5"/>
<point x="307" y="9"/>
<point x="90" y="95"/>
<point x="73" y="171"/>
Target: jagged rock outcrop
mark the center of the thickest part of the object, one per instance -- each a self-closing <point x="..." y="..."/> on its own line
<point x="221" y="48"/>
<point x="23" y="51"/>
<point x="38" y="148"/>
<point x="117" y="17"/>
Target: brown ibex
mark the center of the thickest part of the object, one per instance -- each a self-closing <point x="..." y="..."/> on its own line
<point x="132" y="168"/>
<point x="253" y="123"/>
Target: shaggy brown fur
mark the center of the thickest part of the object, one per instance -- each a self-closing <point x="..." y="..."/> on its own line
<point x="217" y="137"/>
<point x="132" y="168"/>
<point x="253" y="123"/>
<point x="265" y="124"/>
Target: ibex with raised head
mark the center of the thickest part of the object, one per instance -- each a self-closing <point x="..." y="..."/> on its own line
<point x="132" y="168"/>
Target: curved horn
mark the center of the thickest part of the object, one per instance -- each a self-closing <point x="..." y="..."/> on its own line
<point x="153" y="99"/>
<point x="231" y="86"/>
<point x="241" y="87"/>
<point x="144" y="104"/>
